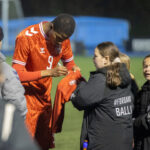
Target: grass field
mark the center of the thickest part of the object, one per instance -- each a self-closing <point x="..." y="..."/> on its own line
<point x="69" y="138"/>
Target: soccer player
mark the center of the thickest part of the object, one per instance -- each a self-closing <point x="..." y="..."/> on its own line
<point x="38" y="50"/>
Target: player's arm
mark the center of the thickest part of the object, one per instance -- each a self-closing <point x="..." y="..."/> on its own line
<point x="71" y="65"/>
<point x="26" y="76"/>
<point x="67" y="57"/>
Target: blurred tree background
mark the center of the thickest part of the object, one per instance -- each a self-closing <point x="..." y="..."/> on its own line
<point x="137" y="12"/>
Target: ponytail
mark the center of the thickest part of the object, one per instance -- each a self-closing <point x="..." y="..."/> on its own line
<point x="113" y="78"/>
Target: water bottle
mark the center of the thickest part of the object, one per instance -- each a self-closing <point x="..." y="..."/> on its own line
<point x="85" y="144"/>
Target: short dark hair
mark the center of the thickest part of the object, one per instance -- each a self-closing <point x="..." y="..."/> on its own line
<point x="148" y="56"/>
<point x="64" y="24"/>
<point x="1" y="34"/>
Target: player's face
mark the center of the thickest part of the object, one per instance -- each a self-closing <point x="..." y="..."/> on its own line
<point x="146" y="68"/>
<point x="57" y="38"/>
<point x="99" y="60"/>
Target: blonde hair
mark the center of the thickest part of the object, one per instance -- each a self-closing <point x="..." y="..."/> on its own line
<point x="113" y="78"/>
<point x="125" y="59"/>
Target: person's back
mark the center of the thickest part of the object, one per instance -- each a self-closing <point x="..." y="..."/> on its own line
<point x="115" y="124"/>
<point x="109" y="123"/>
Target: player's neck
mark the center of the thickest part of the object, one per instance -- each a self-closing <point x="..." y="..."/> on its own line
<point x="46" y="27"/>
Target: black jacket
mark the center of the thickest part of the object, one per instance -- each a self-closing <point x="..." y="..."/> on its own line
<point x="141" y="128"/>
<point x="13" y="133"/>
<point x="107" y="122"/>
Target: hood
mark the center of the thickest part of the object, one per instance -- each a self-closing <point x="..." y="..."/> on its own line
<point x="124" y="74"/>
<point x="2" y="58"/>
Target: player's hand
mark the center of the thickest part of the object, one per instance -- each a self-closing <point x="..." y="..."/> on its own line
<point x="55" y="72"/>
<point x="76" y="68"/>
<point x="59" y="71"/>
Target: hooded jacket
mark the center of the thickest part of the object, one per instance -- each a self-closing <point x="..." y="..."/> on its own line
<point x="11" y="89"/>
<point x="141" y="126"/>
<point x="107" y="122"/>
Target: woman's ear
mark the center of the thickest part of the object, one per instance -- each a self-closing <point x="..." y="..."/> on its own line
<point x="106" y="60"/>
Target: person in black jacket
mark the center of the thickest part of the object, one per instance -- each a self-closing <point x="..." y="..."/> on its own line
<point x="142" y="111"/>
<point x="107" y="101"/>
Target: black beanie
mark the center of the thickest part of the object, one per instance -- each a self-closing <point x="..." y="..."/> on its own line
<point x="1" y="34"/>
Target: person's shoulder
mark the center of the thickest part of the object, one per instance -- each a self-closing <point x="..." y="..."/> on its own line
<point x="11" y="78"/>
<point x="29" y="31"/>
<point x="8" y="70"/>
<point x="6" y="66"/>
<point x="97" y="75"/>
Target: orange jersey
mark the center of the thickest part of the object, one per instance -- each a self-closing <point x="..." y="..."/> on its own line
<point x="36" y="53"/>
<point x="64" y="90"/>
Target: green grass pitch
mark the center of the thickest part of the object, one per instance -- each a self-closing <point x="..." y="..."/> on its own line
<point x="69" y="138"/>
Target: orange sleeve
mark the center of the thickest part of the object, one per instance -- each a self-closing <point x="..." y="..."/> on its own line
<point x="69" y="64"/>
<point x="22" y="50"/>
<point x="24" y="75"/>
<point x="67" y="57"/>
<point x="67" y="54"/>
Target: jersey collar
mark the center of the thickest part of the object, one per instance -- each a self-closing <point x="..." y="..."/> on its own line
<point x="42" y="31"/>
